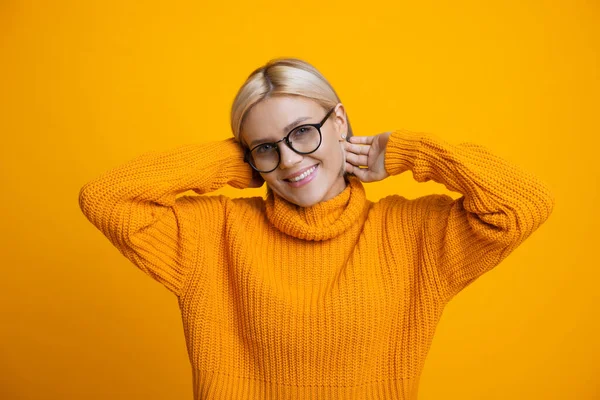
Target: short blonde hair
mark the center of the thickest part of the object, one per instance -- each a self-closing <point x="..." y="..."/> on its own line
<point x="282" y="76"/>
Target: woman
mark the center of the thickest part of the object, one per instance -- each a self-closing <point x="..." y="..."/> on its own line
<point x="315" y="291"/>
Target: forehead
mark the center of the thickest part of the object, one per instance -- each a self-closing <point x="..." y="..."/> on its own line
<point x="268" y="118"/>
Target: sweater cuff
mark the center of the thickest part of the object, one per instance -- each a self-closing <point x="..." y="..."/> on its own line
<point x="402" y="151"/>
<point x="238" y="172"/>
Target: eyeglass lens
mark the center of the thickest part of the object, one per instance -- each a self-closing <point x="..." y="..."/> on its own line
<point x="304" y="140"/>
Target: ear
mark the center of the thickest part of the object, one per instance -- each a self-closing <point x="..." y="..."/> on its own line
<point x="340" y="120"/>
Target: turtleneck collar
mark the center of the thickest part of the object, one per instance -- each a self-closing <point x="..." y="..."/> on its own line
<point x="321" y="221"/>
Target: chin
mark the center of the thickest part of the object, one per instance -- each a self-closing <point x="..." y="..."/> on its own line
<point x="306" y="199"/>
<point x="314" y="192"/>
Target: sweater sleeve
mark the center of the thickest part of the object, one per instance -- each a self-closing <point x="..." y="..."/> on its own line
<point x="501" y="205"/>
<point x="136" y="207"/>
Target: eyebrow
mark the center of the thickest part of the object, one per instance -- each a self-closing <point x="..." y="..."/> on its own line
<point x="286" y="129"/>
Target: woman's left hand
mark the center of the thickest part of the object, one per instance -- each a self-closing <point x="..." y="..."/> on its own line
<point x="369" y="152"/>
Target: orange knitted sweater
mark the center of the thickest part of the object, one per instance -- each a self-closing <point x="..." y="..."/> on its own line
<point x="339" y="300"/>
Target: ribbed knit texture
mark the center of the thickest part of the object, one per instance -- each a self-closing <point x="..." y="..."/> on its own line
<point x="335" y="301"/>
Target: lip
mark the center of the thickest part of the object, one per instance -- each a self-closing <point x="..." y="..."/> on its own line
<point x="298" y="173"/>
<point x="304" y="181"/>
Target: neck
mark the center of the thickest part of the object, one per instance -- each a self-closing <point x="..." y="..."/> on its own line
<point x="324" y="220"/>
<point x="337" y="188"/>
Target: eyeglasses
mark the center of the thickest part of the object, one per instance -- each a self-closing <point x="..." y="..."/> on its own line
<point x="303" y="139"/>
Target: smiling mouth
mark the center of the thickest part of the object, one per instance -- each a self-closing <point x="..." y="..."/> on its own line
<point x="303" y="175"/>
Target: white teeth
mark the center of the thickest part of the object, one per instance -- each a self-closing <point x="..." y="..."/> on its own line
<point x="303" y="175"/>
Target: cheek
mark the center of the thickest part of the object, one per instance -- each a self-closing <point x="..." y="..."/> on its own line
<point x="270" y="178"/>
<point x="330" y="151"/>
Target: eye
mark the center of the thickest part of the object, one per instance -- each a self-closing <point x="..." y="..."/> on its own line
<point x="264" y="148"/>
<point x="302" y="130"/>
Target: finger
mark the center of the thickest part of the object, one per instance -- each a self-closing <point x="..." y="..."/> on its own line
<point x="356" y="159"/>
<point x="361" y="173"/>
<point x="362" y="139"/>
<point x="349" y="167"/>
<point x="358" y="149"/>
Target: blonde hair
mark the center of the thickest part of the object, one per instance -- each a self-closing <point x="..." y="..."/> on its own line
<point x="282" y="76"/>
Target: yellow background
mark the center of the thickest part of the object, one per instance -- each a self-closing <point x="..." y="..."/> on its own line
<point x="87" y="85"/>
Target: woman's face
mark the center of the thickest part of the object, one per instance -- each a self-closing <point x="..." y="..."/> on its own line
<point x="272" y="119"/>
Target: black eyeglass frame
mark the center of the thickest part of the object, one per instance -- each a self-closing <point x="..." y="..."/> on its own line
<point x="287" y="141"/>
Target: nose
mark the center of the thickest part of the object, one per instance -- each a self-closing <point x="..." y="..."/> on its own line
<point x="289" y="157"/>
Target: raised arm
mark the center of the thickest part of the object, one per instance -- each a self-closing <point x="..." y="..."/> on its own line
<point x="501" y="205"/>
<point x="136" y="207"/>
